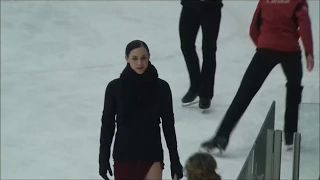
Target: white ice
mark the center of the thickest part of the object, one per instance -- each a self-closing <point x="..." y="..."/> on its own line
<point x="57" y="58"/>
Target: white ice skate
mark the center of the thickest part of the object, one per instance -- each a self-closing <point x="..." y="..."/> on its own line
<point x="212" y="151"/>
<point x="196" y="101"/>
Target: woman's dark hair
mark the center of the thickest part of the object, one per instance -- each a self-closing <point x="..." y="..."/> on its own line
<point x="135" y="44"/>
<point x="201" y="166"/>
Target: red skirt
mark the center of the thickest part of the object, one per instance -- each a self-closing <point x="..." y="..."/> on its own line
<point x="132" y="171"/>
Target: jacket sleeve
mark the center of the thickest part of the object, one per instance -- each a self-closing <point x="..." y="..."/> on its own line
<point x="168" y="126"/>
<point x="304" y="24"/>
<point x="107" y="125"/>
<point x="255" y="24"/>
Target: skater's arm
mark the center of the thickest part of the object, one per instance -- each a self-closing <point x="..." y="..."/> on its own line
<point x="304" y="24"/>
<point x="255" y="25"/>
<point x="107" y="124"/>
<point x="168" y="126"/>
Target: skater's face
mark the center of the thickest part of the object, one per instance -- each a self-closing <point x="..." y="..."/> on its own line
<point x="138" y="59"/>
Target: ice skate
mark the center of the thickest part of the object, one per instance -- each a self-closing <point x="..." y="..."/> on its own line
<point x="217" y="143"/>
<point x="289" y="147"/>
<point x="196" y="101"/>
<point x="204" y="104"/>
<point x="190" y="99"/>
<point x="288" y="137"/>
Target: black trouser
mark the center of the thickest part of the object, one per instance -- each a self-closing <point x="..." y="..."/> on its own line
<point x="259" y="68"/>
<point x="190" y="21"/>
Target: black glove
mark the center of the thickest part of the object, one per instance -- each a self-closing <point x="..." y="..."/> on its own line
<point x="176" y="169"/>
<point x="103" y="170"/>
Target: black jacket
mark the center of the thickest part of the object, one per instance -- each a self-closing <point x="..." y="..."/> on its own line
<point x="138" y="102"/>
<point x="202" y="5"/>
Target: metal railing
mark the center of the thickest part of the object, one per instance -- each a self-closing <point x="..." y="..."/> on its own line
<point x="260" y="160"/>
<point x="264" y="159"/>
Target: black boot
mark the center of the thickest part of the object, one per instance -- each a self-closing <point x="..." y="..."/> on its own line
<point x="293" y="99"/>
<point x="189" y="97"/>
<point x="218" y="142"/>
<point x="204" y="103"/>
<point x="288" y="137"/>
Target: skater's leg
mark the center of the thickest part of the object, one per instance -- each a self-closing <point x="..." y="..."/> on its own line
<point x="292" y="68"/>
<point x="155" y="172"/>
<point x="189" y="25"/>
<point x="258" y="70"/>
<point x="210" y="25"/>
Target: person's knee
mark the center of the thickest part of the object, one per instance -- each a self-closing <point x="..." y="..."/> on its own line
<point x="294" y="92"/>
<point x="209" y="47"/>
<point x="187" y="47"/>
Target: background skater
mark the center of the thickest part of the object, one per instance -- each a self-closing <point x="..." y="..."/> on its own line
<point x="275" y="30"/>
<point x="207" y="14"/>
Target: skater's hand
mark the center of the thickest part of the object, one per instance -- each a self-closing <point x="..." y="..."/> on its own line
<point x="104" y="170"/>
<point x="310" y="62"/>
<point x="176" y="170"/>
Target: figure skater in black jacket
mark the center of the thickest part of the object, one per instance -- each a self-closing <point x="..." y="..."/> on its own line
<point x="138" y="99"/>
<point x="207" y="14"/>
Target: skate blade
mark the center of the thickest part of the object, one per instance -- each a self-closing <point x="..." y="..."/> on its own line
<point x="190" y="103"/>
<point x="289" y="147"/>
<point x="212" y="151"/>
<point x="205" y="111"/>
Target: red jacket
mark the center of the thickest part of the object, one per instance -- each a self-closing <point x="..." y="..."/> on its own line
<point x="278" y="25"/>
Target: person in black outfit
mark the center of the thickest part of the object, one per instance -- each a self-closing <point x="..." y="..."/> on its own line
<point x="138" y="99"/>
<point x="207" y="14"/>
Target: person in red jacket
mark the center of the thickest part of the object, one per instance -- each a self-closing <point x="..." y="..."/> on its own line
<point x="275" y="30"/>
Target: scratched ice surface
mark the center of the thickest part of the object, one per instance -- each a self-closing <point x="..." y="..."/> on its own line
<point x="57" y="58"/>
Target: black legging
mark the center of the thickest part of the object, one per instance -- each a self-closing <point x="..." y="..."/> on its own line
<point x="190" y="21"/>
<point x="261" y="65"/>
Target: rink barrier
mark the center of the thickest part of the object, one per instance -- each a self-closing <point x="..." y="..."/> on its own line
<point x="309" y="118"/>
<point x="276" y="156"/>
<point x="273" y="154"/>
<point x="264" y="159"/>
<point x="269" y="153"/>
<point x="257" y="161"/>
<point x="296" y="156"/>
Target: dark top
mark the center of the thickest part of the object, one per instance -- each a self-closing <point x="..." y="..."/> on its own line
<point x="206" y="4"/>
<point x="138" y="102"/>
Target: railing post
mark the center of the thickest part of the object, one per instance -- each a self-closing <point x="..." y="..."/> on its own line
<point x="269" y="155"/>
<point x="296" y="156"/>
<point x="249" y="174"/>
<point x="277" y="154"/>
<point x="261" y="142"/>
<point x="260" y="157"/>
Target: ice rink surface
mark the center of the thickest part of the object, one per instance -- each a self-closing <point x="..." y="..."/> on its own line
<point x="57" y="58"/>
